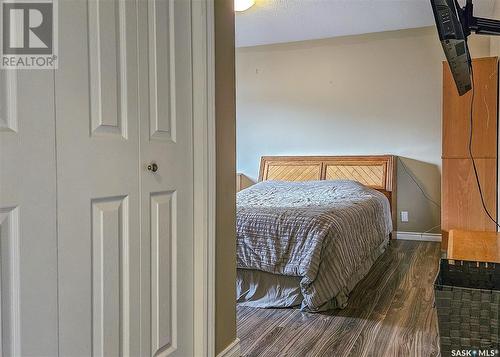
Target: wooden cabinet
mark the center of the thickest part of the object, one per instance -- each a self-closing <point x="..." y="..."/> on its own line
<point x="456" y="112"/>
<point x="461" y="206"/>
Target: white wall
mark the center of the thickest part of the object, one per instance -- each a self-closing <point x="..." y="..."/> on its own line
<point x="368" y="94"/>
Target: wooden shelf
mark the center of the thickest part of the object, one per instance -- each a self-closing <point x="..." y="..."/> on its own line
<point x="474" y="246"/>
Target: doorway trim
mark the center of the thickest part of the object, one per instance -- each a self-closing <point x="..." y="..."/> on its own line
<point x="203" y="54"/>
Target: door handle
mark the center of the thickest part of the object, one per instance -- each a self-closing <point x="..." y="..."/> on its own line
<point x="153" y="167"/>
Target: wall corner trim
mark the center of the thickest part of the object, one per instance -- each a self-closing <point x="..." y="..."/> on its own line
<point x="232" y="350"/>
<point x="424" y="237"/>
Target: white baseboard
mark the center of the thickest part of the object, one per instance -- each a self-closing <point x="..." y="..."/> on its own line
<point x="233" y="350"/>
<point x="424" y="237"/>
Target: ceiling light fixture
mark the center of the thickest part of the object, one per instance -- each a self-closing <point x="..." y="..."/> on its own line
<point x="242" y="5"/>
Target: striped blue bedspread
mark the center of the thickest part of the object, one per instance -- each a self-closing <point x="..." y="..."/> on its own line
<point x="325" y="232"/>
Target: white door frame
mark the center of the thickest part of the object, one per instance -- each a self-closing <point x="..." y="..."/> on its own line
<point x="203" y="52"/>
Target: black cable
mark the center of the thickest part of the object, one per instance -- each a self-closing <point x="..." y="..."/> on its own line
<point x="416" y="183"/>
<point x="471" y="130"/>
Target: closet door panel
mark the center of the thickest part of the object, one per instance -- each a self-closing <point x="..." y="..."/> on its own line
<point x="166" y="193"/>
<point x="28" y="242"/>
<point x="98" y="179"/>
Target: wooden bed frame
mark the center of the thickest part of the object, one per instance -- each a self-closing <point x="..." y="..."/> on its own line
<point x="378" y="172"/>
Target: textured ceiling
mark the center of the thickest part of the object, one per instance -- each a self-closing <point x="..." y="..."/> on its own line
<point x="276" y="21"/>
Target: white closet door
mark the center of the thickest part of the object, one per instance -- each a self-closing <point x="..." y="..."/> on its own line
<point x="98" y="179"/>
<point x="125" y="232"/>
<point x="166" y="195"/>
<point x="28" y="244"/>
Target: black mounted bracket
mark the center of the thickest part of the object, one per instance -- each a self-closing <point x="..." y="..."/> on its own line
<point x="479" y="25"/>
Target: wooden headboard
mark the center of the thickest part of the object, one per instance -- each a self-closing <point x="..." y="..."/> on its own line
<point x="378" y="172"/>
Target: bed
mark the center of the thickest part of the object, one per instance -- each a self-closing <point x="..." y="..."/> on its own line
<point x="311" y="229"/>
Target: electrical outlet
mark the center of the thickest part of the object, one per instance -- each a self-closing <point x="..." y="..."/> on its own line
<point x="404" y="216"/>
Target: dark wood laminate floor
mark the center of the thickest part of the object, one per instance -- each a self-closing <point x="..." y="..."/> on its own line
<point x="390" y="313"/>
